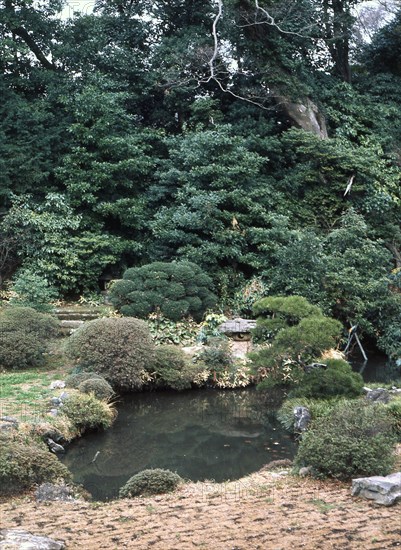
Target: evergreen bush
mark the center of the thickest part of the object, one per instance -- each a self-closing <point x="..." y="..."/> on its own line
<point x="32" y="290"/>
<point x="354" y="440"/>
<point x="337" y="380"/>
<point x="120" y="349"/>
<point x="25" y="335"/>
<point x="176" y="289"/>
<point x="86" y="412"/>
<point x="75" y="379"/>
<point x="100" y="388"/>
<point x="25" y="462"/>
<point x="150" y="482"/>
<point x="173" y="368"/>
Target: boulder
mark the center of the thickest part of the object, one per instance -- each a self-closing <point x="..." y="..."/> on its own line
<point x="57" y="385"/>
<point x="54" y="447"/>
<point x="8" y="423"/>
<point x="384" y="490"/>
<point x="17" y="539"/>
<point x="379" y="395"/>
<point x="302" y="418"/>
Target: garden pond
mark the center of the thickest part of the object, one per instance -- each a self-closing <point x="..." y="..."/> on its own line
<point x="200" y="434"/>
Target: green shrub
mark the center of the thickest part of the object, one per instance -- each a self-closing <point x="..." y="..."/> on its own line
<point x="298" y="334"/>
<point x="25" y="334"/>
<point x="394" y="411"/>
<point x="120" y="349"/>
<point x="74" y="380"/>
<point x="32" y="290"/>
<point x="25" y="462"/>
<point x="176" y="289"/>
<point x="354" y="440"/>
<point x="173" y="368"/>
<point x="86" y="412"/>
<point x="337" y="380"/>
<point x="217" y="355"/>
<point x="100" y="388"/>
<point x="150" y="482"/>
<point x="316" y="407"/>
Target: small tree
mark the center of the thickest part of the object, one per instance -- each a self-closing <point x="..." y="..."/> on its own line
<point x="176" y="289"/>
<point x="297" y="333"/>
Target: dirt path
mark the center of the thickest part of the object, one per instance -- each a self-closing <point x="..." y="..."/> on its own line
<point x="266" y="511"/>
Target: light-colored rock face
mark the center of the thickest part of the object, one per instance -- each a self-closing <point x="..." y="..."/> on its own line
<point x="13" y="539"/>
<point x="385" y="490"/>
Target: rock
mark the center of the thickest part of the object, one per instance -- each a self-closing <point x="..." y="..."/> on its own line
<point x="53" y="412"/>
<point x="54" y="447"/>
<point x="17" y="539"/>
<point x="8" y="423"/>
<point x="379" y="395"/>
<point x="314" y="366"/>
<point x="302" y="419"/>
<point x="57" y="385"/>
<point x="55" y="401"/>
<point x="51" y="492"/>
<point x="64" y="396"/>
<point x="306" y="471"/>
<point x="385" y="490"/>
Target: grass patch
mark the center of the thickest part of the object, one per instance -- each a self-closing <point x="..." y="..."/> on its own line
<point x="322" y="505"/>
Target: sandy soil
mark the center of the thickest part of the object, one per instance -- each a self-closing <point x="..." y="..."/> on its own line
<point x="267" y="511"/>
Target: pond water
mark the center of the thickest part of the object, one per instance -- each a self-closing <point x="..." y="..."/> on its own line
<point x="200" y="434"/>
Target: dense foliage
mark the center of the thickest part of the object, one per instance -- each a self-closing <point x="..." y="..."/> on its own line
<point x="87" y="412"/>
<point x="25" y="336"/>
<point x="267" y="152"/>
<point x="26" y="462"/>
<point x="353" y="440"/>
<point x="176" y="290"/>
<point x="120" y="349"/>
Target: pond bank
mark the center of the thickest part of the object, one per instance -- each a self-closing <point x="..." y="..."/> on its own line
<point x="263" y="511"/>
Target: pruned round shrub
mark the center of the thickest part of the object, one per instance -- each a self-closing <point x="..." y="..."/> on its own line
<point x="100" y="388"/>
<point x="120" y="349"/>
<point x="173" y="368"/>
<point x="25" y="462"/>
<point x="150" y="482"/>
<point x="176" y="289"/>
<point x="74" y="380"/>
<point x="337" y="380"/>
<point x="25" y="335"/>
<point x="32" y="290"/>
<point x="354" y="440"/>
<point x="86" y="412"/>
<point x="394" y="411"/>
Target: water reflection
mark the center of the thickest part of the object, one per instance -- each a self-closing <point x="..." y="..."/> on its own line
<point x="203" y="434"/>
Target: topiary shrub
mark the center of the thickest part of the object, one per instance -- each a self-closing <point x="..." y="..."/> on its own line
<point x="176" y="289"/>
<point x="86" y="412"/>
<point x="25" y="334"/>
<point x="394" y="411"/>
<point x="100" y="388"/>
<point x="354" y="440"/>
<point x="173" y="368"/>
<point x="74" y="380"/>
<point x="25" y="462"/>
<point x="120" y="349"/>
<point x="337" y="380"/>
<point x="150" y="482"/>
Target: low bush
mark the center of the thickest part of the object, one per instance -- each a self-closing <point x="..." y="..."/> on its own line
<point x="74" y="380"/>
<point x="25" y="335"/>
<point x="100" y="388"/>
<point x="316" y="407"/>
<point x="337" y="380"/>
<point x="394" y="411"/>
<point x="86" y="412"/>
<point x="32" y="290"/>
<point x="120" y="349"/>
<point x="173" y="368"/>
<point x="25" y="462"/>
<point x="217" y="355"/>
<point x="354" y="440"/>
<point x="150" y="482"/>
